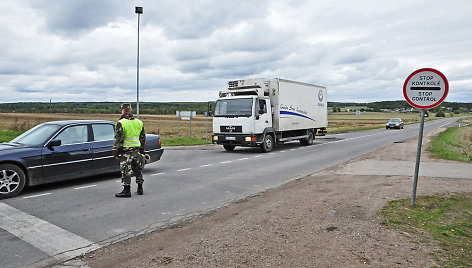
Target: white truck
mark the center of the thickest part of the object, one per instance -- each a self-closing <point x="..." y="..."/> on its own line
<point x="262" y="112"/>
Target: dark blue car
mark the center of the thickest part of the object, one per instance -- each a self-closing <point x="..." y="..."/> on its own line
<point x="62" y="150"/>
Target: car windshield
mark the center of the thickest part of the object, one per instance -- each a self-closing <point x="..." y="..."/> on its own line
<point x="37" y="135"/>
<point x="234" y="107"/>
<point x="394" y="120"/>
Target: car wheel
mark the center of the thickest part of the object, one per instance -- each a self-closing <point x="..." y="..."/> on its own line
<point x="268" y="143"/>
<point x="309" y="140"/>
<point x="229" y="148"/>
<point x="12" y="180"/>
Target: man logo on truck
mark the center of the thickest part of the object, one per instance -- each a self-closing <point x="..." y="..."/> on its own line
<point x="230" y="129"/>
<point x="320" y="96"/>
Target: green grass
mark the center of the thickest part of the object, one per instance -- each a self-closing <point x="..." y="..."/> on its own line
<point x="445" y="219"/>
<point x="453" y="144"/>
<point x="9" y="134"/>
<point x="184" y="141"/>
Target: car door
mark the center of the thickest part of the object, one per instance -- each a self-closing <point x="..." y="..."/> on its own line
<point x="71" y="159"/>
<point x="102" y="145"/>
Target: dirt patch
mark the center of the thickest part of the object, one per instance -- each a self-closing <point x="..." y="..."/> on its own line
<point x="328" y="219"/>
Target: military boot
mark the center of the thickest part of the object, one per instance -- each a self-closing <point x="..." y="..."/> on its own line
<point x="140" y="189"/>
<point x="125" y="193"/>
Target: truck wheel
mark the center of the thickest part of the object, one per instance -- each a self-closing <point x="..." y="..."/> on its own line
<point x="229" y="148"/>
<point x="12" y="180"/>
<point x="309" y="140"/>
<point x="268" y="144"/>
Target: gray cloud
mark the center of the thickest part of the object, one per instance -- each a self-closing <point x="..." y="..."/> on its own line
<point x="83" y="50"/>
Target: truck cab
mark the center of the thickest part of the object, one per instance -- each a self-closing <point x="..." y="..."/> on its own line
<point x="241" y="121"/>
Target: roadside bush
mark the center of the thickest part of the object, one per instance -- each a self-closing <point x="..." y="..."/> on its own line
<point x="440" y="113"/>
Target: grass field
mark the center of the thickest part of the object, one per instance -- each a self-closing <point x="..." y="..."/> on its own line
<point x="455" y="143"/>
<point x="168" y="125"/>
<point x="446" y="219"/>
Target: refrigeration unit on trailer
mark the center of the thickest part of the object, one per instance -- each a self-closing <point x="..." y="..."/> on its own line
<point x="262" y="112"/>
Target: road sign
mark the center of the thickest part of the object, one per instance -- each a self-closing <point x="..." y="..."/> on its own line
<point x="186" y="113"/>
<point x="425" y="88"/>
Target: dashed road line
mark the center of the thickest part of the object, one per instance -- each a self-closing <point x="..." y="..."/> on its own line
<point x="183" y="169"/>
<point x="84" y="187"/>
<point x="207" y="165"/>
<point x="225" y="162"/>
<point x="158" y="174"/>
<point x="241" y="159"/>
<point x="37" y="195"/>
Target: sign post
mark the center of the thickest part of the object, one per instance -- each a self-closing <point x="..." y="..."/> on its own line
<point x="424" y="89"/>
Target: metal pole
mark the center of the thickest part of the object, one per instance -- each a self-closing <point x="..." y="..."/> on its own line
<point x="137" y="75"/>
<point x="190" y="131"/>
<point x="418" y="154"/>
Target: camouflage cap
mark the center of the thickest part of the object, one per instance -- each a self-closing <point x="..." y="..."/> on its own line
<point x="126" y="107"/>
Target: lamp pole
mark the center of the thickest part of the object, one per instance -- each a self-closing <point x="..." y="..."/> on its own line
<point x="139" y="11"/>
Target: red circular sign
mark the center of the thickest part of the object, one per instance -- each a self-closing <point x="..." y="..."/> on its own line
<point x="425" y="88"/>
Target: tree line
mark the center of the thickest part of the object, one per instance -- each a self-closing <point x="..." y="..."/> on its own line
<point x="172" y="107"/>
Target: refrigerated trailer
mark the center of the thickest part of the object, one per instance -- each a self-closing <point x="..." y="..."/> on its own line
<point x="263" y="112"/>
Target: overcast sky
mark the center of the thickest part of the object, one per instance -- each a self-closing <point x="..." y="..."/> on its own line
<point x="362" y="51"/>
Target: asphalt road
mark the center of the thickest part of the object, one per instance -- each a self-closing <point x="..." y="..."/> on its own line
<point x="56" y="222"/>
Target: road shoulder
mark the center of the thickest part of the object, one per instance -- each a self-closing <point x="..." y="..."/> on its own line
<point x="326" y="219"/>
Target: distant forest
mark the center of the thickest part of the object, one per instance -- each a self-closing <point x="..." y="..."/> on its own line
<point x="172" y="107"/>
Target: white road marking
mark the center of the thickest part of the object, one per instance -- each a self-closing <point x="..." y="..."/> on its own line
<point x="293" y="149"/>
<point x="258" y="155"/>
<point x="207" y="165"/>
<point x="282" y="151"/>
<point x="241" y="159"/>
<point x="83" y="187"/>
<point x="225" y="162"/>
<point x="49" y="238"/>
<point x="157" y="174"/>
<point x="184" y="169"/>
<point x="38" y="195"/>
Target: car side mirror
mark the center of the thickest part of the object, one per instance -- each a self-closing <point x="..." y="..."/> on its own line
<point x="54" y="143"/>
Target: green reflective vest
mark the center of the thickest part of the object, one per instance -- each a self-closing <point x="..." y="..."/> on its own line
<point x="131" y="129"/>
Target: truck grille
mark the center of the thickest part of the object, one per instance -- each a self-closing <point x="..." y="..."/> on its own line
<point x="232" y="129"/>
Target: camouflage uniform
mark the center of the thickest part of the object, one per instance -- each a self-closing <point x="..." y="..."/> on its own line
<point x="131" y="158"/>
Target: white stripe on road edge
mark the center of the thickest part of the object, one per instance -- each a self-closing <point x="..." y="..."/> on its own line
<point x="50" y="239"/>
<point x="83" y="187"/>
<point x="157" y="174"/>
<point x="184" y="169"/>
<point x="38" y="195"/>
<point x="225" y="162"/>
<point x="245" y="158"/>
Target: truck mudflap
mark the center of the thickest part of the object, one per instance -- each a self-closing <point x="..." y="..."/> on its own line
<point x="235" y="139"/>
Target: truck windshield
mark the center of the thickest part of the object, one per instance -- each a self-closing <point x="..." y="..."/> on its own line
<point x="234" y="107"/>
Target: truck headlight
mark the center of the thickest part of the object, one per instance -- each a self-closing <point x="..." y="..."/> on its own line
<point x="248" y="139"/>
<point x="215" y="138"/>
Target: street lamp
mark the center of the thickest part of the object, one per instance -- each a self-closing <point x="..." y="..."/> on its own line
<point x="139" y="11"/>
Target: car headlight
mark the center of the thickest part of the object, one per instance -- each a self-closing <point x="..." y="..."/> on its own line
<point x="397" y="124"/>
